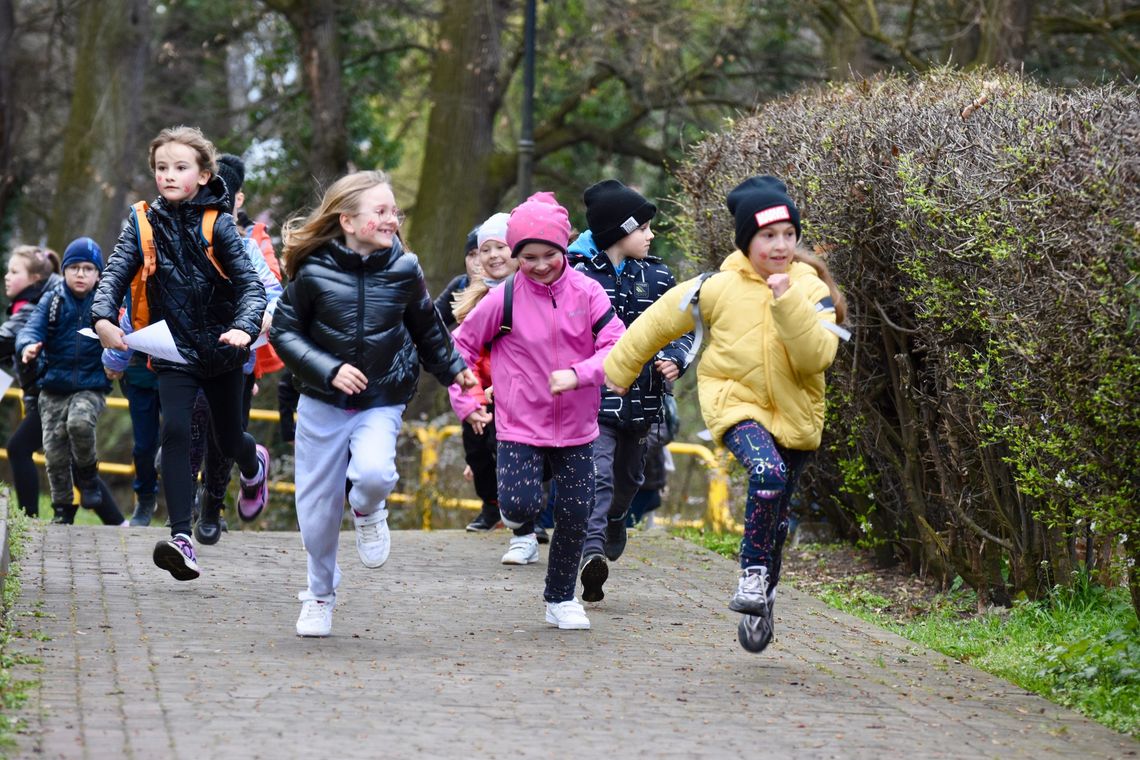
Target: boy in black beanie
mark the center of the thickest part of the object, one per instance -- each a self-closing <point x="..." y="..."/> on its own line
<point x="615" y="250"/>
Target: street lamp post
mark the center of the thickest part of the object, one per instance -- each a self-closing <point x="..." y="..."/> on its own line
<point x="526" y="133"/>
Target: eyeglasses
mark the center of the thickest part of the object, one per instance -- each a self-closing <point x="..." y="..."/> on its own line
<point x="386" y="213"/>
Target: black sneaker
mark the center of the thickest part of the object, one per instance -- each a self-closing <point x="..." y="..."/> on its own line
<point x="481" y="524"/>
<point x="594" y="573"/>
<point x="209" y="528"/>
<point x="615" y="538"/>
<point x="63" y="514"/>
<point x="541" y="534"/>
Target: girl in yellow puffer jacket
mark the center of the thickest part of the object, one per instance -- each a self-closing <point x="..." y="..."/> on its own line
<point x="771" y="315"/>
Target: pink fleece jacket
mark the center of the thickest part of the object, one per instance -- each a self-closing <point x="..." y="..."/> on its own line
<point x="552" y="328"/>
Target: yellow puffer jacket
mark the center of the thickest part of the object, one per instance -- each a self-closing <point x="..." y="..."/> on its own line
<point x="764" y="358"/>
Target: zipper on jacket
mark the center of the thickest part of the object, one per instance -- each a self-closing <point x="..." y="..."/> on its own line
<point x="360" y="317"/>
<point x="554" y="345"/>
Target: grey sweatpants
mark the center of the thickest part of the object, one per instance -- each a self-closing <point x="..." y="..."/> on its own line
<point x="326" y="436"/>
<point x="619" y="465"/>
<point x="69" y="422"/>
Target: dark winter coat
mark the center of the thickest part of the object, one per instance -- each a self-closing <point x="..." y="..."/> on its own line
<point x="197" y="302"/>
<point x="640" y="283"/>
<point x="67" y="362"/>
<point x="27" y="299"/>
<point x="373" y="313"/>
<point x="443" y="302"/>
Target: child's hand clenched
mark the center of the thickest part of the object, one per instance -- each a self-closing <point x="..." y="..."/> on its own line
<point x="236" y="338"/>
<point x="349" y="380"/>
<point x="466" y="379"/>
<point x="110" y="335"/>
<point x="562" y="380"/>
<point x="779" y="283"/>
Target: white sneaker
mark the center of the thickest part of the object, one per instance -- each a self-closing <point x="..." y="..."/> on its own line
<point x="373" y="541"/>
<point x="567" y="615"/>
<point x="523" y="551"/>
<point x="316" y="616"/>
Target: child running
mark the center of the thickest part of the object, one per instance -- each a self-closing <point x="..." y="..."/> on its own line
<point x="212" y="301"/>
<point x="546" y="371"/>
<point x="32" y="272"/>
<point x="476" y="406"/>
<point x="771" y="315"/>
<point x="73" y="388"/>
<point x="353" y="318"/>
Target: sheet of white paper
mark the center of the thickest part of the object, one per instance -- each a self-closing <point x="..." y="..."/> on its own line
<point x="6" y="381"/>
<point x="262" y="339"/>
<point x="87" y="332"/>
<point x="157" y="341"/>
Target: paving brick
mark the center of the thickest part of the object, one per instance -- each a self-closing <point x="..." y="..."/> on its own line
<point x="444" y="651"/>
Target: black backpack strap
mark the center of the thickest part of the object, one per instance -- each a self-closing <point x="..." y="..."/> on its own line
<point x="53" y="308"/>
<point x="508" y="309"/>
<point x="603" y="321"/>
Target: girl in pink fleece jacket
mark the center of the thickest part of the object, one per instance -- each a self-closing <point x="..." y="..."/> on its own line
<point x="546" y="373"/>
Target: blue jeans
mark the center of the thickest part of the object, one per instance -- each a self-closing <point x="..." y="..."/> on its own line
<point x="145" y="423"/>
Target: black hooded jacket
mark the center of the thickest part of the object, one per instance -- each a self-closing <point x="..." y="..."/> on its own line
<point x="371" y="312"/>
<point x="30" y="296"/>
<point x="186" y="290"/>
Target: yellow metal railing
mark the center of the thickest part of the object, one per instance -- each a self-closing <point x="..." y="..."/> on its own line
<point x="717" y="515"/>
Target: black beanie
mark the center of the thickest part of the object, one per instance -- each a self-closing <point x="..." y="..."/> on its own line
<point x="757" y="202"/>
<point x="232" y="171"/>
<point x="614" y="211"/>
<point x="472" y="240"/>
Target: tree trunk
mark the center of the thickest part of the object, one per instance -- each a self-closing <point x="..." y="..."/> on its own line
<point x="999" y="35"/>
<point x="461" y="180"/>
<point x="314" y="22"/>
<point x="101" y="142"/>
<point x="10" y="116"/>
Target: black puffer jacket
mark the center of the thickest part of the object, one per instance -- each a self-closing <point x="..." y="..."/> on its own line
<point x="28" y="297"/>
<point x="373" y="313"/>
<point x="186" y="290"/>
<point x="638" y="286"/>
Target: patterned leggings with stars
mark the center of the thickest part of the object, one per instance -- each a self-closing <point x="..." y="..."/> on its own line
<point x="521" y="500"/>
<point x="773" y="472"/>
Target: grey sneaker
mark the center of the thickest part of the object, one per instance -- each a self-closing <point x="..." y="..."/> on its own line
<point x="751" y="595"/>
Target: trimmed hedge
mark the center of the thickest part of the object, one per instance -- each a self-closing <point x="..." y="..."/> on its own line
<point x="985" y="419"/>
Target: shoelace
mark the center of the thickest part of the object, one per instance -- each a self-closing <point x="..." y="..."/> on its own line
<point x="313" y="609"/>
<point x="370" y="534"/>
<point x="755" y="584"/>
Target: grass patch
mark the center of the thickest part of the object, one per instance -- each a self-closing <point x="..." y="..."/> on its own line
<point x="1079" y="646"/>
<point x="13" y="692"/>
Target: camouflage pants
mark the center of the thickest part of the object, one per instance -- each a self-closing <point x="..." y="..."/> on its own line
<point x="69" y="422"/>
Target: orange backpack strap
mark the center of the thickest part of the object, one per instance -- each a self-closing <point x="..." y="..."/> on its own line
<point x="140" y="309"/>
<point x="209" y="219"/>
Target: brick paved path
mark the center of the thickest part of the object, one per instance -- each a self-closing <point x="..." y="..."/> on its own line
<point x="443" y="652"/>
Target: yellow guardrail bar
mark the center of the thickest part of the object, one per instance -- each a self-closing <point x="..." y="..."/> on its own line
<point x="717" y="516"/>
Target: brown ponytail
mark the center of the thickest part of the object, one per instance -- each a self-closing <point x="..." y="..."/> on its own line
<point x="466" y="300"/>
<point x="825" y="275"/>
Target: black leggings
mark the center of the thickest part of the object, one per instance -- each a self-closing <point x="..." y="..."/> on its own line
<point x="177" y="391"/>
<point x="27" y="438"/>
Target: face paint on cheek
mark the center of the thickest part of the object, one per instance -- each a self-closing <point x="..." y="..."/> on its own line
<point x="370" y="228"/>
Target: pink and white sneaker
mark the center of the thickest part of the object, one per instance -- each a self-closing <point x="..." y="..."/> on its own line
<point x="255" y="493"/>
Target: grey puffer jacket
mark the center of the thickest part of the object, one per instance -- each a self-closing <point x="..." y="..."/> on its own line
<point x="373" y="313"/>
<point x="197" y="302"/>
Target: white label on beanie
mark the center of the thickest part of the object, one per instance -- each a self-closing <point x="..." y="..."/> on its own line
<point x="772" y="215"/>
<point x="629" y="225"/>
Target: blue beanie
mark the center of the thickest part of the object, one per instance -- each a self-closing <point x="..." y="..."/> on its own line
<point x="83" y="250"/>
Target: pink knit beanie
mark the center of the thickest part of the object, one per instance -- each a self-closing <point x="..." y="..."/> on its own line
<point x="540" y="219"/>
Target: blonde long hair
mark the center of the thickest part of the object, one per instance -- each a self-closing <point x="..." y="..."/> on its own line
<point x="467" y="299"/>
<point x="825" y="275"/>
<point x="302" y="235"/>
